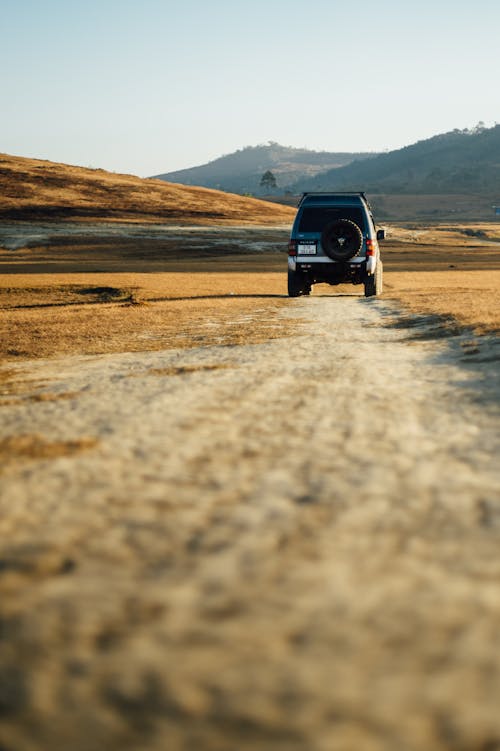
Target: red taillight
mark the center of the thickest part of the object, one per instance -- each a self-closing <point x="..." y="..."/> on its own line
<point x="371" y="247"/>
<point x="292" y="248"/>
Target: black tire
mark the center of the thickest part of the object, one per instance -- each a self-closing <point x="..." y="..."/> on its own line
<point x="297" y="285"/>
<point x="342" y="240"/>
<point x="374" y="283"/>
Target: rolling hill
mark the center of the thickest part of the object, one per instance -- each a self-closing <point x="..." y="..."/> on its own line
<point x="33" y="189"/>
<point x="461" y="161"/>
<point x="241" y="171"/>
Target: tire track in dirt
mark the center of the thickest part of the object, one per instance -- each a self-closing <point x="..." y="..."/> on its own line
<point x="290" y="545"/>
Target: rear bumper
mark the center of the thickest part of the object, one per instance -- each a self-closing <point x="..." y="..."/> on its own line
<point x="311" y="262"/>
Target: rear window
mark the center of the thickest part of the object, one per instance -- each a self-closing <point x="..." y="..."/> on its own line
<point x="315" y="219"/>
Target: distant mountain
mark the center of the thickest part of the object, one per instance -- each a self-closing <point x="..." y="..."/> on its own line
<point x="241" y="171"/>
<point x="462" y="161"/>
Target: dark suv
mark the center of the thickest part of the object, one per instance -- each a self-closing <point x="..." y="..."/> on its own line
<point x="334" y="240"/>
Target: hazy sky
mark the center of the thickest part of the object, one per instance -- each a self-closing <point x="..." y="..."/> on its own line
<point x="149" y="86"/>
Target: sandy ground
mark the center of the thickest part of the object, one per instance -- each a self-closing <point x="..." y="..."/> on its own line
<point x="289" y="546"/>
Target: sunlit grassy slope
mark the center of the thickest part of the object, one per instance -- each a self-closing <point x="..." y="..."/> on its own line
<point x="35" y="189"/>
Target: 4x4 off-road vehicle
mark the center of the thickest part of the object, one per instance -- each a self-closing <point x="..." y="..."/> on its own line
<point x="334" y="240"/>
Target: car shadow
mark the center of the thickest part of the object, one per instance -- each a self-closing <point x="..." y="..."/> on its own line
<point x="228" y="296"/>
<point x="343" y="294"/>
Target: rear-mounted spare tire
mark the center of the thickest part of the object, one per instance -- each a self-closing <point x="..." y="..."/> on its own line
<point x="342" y="240"/>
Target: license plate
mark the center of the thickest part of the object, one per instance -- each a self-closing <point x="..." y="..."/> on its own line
<point x="306" y="249"/>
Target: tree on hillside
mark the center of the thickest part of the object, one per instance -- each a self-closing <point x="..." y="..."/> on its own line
<point x="268" y="180"/>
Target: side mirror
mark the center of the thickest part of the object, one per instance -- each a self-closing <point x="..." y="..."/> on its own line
<point x="381" y="234"/>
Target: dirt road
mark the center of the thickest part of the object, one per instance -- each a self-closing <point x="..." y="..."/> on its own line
<point x="291" y="546"/>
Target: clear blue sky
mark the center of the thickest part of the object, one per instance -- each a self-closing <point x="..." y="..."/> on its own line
<point x="149" y="86"/>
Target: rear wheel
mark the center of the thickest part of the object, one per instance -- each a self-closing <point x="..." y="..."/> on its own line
<point x="297" y="285"/>
<point x="374" y="283"/>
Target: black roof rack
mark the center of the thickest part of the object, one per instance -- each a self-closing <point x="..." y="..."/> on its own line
<point x="336" y="193"/>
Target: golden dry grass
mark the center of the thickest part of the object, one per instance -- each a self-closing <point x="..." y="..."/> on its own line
<point x="471" y="298"/>
<point x="34" y="189"/>
<point x="453" y="235"/>
<point x="174" y="310"/>
<point x="443" y="271"/>
<point x="452" y="271"/>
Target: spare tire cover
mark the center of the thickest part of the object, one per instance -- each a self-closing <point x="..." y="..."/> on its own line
<point x="342" y="239"/>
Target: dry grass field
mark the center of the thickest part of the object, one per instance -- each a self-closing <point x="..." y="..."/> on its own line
<point x="452" y="271"/>
<point x="132" y="312"/>
<point x="147" y="294"/>
<point x="89" y="296"/>
<point x="98" y="288"/>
